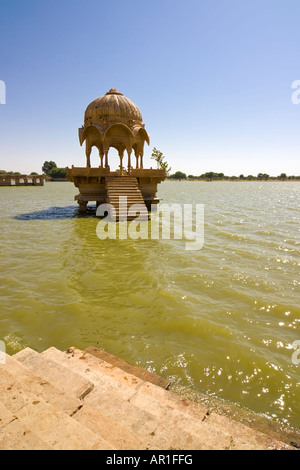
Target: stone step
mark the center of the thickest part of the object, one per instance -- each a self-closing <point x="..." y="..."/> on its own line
<point x="210" y="430"/>
<point x="124" y="192"/>
<point x="121" y="178"/>
<point x="41" y="417"/>
<point x="131" y="369"/>
<point x="129" y="201"/>
<point x="121" y="181"/>
<point x="119" y="436"/>
<point x="131" y="185"/>
<point x="190" y="423"/>
<point x="84" y="400"/>
<point x="128" y="399"/>
<point x="114" y="395"/>
<point x="67" y="381"/>
<point x="128" y="187"/>
<point x="19" y="383"/>
<point x="95" y="370"/>
<point x="122" y="195"/>
<point x="59" y="430"/>
<point x="14" y="435"/>
<point x="112" y="391"/>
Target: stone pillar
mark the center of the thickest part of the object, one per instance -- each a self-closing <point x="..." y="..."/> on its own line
<point x="101" y="155"/>
<point x="129" y="160"/>
<point x="121" y="155"/>
<point x="106" y="159"/>
<point x="137" y="159"/>
<point x="82" y="206"/>
<point x="88" y="150"/>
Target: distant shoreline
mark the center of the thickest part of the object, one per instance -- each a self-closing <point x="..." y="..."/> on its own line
<point x="232" y="180"/>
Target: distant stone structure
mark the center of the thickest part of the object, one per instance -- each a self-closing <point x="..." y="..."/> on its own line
<point x="21" y="180"/>
<point x="115" y="121"/>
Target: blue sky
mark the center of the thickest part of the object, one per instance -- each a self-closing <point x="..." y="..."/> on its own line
<point x="212" y="79"/>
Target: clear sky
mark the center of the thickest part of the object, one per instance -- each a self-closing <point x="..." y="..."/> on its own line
<point x="212" y="79"/>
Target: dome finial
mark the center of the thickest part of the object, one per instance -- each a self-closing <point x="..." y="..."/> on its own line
<point x="113" y="91"/>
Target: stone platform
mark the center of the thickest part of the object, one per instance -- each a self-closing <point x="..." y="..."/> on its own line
<point x="91" y="400"/>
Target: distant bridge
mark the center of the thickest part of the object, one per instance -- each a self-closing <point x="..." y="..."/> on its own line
<point x="21" y="180"/>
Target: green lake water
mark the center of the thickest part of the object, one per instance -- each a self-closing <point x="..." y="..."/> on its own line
<point x="220" y="321"/>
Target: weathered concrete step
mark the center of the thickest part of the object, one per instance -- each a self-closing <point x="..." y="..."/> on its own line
<point x="67" y="381"/>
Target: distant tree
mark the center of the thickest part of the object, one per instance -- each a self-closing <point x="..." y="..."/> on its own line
<point x="282" y="176"/>
<point x="179" y="175"/>
<point x="57" y="173"/>
<point x="47" y="167"/>
<point x="263" y="176"/>
<point x="33" y="173"/>
<point x="3" y="172"/>
<point x="242" y="177"/>
<point x="209" y="175"/>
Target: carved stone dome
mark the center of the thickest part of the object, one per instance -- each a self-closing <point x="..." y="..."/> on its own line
<point x="112" y="105"/>
<point x="114" y="121"/>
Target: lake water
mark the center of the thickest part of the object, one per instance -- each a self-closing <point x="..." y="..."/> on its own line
<point x="220" y="321"/>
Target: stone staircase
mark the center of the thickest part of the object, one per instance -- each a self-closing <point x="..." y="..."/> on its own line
<point x="127" y="188"/>
<point x="76" y="400"/>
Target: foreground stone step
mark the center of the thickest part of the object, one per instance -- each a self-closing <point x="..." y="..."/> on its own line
<point x="132" y="369"/>
<point x="19" y="385"/>
<point x="67" y="381"/>
<point x="95" y="371"/>
<point x="24" y="414"/>
<point x="119" y="436"/>
<point x="108" y="409"/>
<point x="110" y="397"/>
<point x="212" y="431"/>
<point x="14" y="435"/>
<point x="160" y="418"/>
<point x="114" y="397"/>
<point x="113" y="383"/>
<point x="59" y="430"/>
